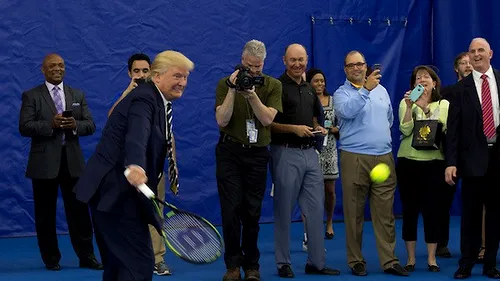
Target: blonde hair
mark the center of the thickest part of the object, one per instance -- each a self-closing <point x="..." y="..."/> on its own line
<point x="166" y="59"/>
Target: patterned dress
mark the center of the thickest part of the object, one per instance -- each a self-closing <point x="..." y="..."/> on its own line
<point x="328" y="156"/>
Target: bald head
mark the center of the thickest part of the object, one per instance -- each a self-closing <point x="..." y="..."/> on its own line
<point x="480" y="40"/>
<point x="295" y="47"/>
<point x="295" y="60"/>
<point x="480" y="54"/>
<point x="53" y="68"/>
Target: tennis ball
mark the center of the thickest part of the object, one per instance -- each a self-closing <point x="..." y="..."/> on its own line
<point x="380" y="173"/>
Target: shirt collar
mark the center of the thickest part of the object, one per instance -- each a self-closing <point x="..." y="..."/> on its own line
<point x="51" y="86"/>
<point x="287" y="79"/>
<point x="477" y="75"/>
<point x="165" y="101"/>
<point x="352" y="85"/>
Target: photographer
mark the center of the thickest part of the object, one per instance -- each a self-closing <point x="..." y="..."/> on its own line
<point x="246" y="103"/>
<point x="138" y="70"/>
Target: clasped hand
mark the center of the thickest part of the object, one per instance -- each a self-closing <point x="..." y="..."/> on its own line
<point x="60" y="122"/>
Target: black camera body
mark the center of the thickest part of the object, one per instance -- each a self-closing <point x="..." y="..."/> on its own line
<point x="245" y="81"/>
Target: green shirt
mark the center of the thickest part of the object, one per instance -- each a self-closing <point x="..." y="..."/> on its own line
<point x="405" y="148"/>
<point x="269" y="94"/>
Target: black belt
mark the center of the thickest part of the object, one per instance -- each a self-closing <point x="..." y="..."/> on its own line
<point x="297" y="145"/>
<point x="225" y="138"/>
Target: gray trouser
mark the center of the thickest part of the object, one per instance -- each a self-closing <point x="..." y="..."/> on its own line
<point x="296" y="175"/>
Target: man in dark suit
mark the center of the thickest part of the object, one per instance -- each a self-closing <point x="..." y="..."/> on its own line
<point x="472" y="154"/>
<point x="462" y="68"/>
<point x="56" y="160"/>
<point x="136" y="137"/>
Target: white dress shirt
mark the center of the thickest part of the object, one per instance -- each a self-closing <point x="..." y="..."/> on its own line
<point x="476" y="75"/>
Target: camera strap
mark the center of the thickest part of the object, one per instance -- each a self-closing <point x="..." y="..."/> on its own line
<point x="229" y="84"/>
<point x="252" y="132"/>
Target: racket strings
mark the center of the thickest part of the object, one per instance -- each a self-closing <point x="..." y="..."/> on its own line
<point x="193" y="238"/>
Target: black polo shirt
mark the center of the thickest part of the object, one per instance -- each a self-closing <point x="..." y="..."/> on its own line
<point x="300" y="105"/>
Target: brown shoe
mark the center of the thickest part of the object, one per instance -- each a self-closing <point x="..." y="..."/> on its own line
<point x="252" y="275"/>
<point x="232" y="274"/>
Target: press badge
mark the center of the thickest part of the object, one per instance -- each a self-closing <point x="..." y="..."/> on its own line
<point x="252" y="133"/>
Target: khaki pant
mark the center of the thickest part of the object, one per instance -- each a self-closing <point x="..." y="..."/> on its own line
<point x="158" y="243"/>
<point x="356" y="186"/>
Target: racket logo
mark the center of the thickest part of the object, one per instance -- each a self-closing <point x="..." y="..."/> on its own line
<point x="192" y="239"/>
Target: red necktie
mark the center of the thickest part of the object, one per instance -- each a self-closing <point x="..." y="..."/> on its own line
<point x="487" y="107"/>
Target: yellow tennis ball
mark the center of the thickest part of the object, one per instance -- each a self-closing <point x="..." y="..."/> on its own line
<point x="380" y="173"/>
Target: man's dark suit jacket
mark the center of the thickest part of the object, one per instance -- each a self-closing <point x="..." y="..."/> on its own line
<point x="35" y="121"/>
<point x="134" y="135"/>
<point x="467" y="148"/>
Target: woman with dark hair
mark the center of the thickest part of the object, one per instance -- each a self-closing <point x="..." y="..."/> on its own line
<point x="420" y="173"/>
<point x="328" y="155"/>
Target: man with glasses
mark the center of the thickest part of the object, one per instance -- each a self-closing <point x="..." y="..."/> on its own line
<point x="462" y="66"/>
<point x="364" y="112"/>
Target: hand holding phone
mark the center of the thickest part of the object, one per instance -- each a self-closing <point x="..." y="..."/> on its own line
<point x="140" y="81"/>
<point x="416" y="93"/>
<point x="376" y="66"/>
<point x="67" y="113"/>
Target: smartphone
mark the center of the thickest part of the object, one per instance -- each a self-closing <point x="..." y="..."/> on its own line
<point x="67" y="113"/>
<point x="416" y="93"/>
<point x="376" y="66"/>
<point x="140" y="80"/>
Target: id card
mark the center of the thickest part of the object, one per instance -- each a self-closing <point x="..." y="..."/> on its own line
<point x="252" y="133"/>
<point x="328" y="124"/>
<point x="250" y="126"/>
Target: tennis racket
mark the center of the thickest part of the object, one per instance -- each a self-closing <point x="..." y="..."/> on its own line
<point x="189" y="236"/>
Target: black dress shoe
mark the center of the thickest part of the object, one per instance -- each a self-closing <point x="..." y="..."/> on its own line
<point x="311" y="269"/>
<point x="53" y="267"/>
<point x="397" y="269"/>
<point x="463" y="272"/>
<point x="329" y="236"/>
<point x="443" y="252"/>
<point x="359" y="269"/>
<point x="91" y="263"/>
<point x="410" y="267"/>
<point x="433" y="268"/>
<point x="492" y="273"/>
<point x="285" y="271"/>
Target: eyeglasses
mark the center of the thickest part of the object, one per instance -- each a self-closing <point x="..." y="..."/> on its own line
<point x="464" y="63"/>
<point x="358" y="65"/>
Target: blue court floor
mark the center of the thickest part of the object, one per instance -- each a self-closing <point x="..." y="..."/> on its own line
<point x="20" y="260"/>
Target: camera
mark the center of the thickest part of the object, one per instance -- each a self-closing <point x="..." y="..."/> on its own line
<point x="245" y="81"/>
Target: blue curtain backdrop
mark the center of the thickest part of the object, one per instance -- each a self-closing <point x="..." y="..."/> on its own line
<point x="96" y="38"/>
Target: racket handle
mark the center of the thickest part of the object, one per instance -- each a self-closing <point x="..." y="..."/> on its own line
<point x="142" y="187"/>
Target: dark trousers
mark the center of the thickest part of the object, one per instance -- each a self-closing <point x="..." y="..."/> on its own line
<point x="477" y="191"/>
<point x="241" y="181"/>
<point x="127" y="246"/>
<point x="421" y="186"/>
<point x="444" y="219"/>
<point x="77" y="216"/>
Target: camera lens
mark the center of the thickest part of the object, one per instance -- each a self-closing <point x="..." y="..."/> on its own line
<point x="246" y="82"/>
